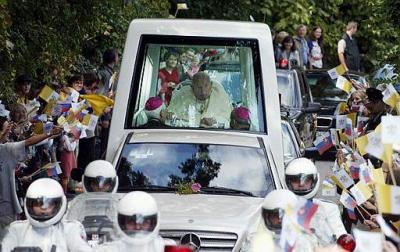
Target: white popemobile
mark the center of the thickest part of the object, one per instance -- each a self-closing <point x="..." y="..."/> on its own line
<point x="171" y="154"/>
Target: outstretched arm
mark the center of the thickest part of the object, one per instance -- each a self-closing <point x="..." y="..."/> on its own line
<point x="38" y="138"/>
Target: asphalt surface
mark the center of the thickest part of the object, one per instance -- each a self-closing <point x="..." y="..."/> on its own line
<point x="325" y="170"/>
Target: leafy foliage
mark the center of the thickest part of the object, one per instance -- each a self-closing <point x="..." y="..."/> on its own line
<point x="65" y="35"/>
<point x="40" y="36"/>
<point x="379" y="30"/>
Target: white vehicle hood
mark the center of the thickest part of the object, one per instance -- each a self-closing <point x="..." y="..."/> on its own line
<point x="208" y="212"/>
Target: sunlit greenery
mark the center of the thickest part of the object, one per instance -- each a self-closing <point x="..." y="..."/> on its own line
<point x="70" y="35"/>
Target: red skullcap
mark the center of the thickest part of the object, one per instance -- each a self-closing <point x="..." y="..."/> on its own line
<point x="153" y="103"/>
<point x="242" y="113"/>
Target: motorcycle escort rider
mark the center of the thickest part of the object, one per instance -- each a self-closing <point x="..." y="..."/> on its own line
<point x="139" y="223"/>
<point x="44" y="230"/>
<point x="267" y="237"/>
<point x="302" y="178"/>
<point x="96" y="208"/>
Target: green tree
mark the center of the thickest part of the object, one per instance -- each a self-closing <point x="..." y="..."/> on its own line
<point x="69" y="35"/>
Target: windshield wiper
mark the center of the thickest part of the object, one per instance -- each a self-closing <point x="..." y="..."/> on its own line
<point x="224" y="190"/>
<point x="154" y="188"/>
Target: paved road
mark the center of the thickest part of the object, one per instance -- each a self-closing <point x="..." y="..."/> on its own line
<point x="324" y="168"/>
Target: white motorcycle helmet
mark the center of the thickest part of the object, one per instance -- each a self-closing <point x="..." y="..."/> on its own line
<point x="302" y="178"/>
<point x="138" y="217"/>
<point x="273" y="208"/>
<point x="100" y="176"/>
<point x="45" y="202"/>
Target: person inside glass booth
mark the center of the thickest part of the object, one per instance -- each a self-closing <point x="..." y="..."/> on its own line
<point x="169" y="76"/>
<point x="204" y="103"/>
<point x="240" y="118"/>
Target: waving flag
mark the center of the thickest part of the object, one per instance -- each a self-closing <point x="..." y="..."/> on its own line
<point x="390" y="96"/>
<point x="377" y="176"/>
<point x="390" y="129"/>
<point x="334" y="73"/>
<point x="305" y="213"/>
<point x="368" y="241"/>
<point x="354" y="170"/>
<point x="52" y="169"/>
<point x="343" y="84"/>
<point x="347" y="201"/>
<point x="98" y="102"/>
<point x="361" y="192"/>
<point x="323" y="143"/>
<point x="388" y="198"/>
<point x="340" y="108"/>
<point x="48" y="94"/>
<point x="349" y="127"/>
<point x="365" y="174"/>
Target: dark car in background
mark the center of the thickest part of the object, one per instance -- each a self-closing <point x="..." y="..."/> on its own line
<point x="324" y="91"/>
<point x="298" y="103"/>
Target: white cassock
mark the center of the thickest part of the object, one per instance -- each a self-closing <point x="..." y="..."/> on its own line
<point x="189" y="111"/>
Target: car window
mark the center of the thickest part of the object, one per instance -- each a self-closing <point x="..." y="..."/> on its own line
<point x="324" y="88"/>
<point x="158" y="164"/>
<point x="288" y="90"/>
<point x="168" y="70"/>
<point x="289" y="148"/>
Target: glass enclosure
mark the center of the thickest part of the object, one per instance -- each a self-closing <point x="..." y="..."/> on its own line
<point x="288" y="89"/>
<point x="189" y="82"/>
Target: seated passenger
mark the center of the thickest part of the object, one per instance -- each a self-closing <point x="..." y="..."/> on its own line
<point x="240" y="118"/>
<point x="202" y="104"/>
<point x="152" y="109"/>
<point x="169" y="76"/>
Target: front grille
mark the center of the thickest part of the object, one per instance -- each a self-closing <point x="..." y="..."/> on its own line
<point x="210" y="241"/>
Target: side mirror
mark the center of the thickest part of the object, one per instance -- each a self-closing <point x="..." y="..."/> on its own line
<point x="313" y="107"/>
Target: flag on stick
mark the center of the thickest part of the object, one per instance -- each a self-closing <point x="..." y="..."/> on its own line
<point x="334" y="73"/>
<point x="388" y="198"/>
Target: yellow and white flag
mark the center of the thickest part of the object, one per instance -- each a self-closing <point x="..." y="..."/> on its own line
<point x="334" y="73"/>
<point x="343" y="84"/>
<point x="361" y="192"/>
<point x="368" y="241"/>
<point x="340" y="108"/>
<point x="377" y="176"/>
<point x="390" y="96"/>
<point x="90" y="121"/>
<point x="48" y="94"/>
<point x="98" y="102"/>
<point x="390" y="131"/>
<point x="342" y="179"/>
<point x="388" y="198"/>
<point x="372" y="144"/>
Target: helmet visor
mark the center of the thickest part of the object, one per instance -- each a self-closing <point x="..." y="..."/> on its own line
<point x="99" y="184"/>
<point x="137" y="224"/>
<point x="301" y="184"/>
<point x="273" y="218"/>
<point x="43" y="209"/>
